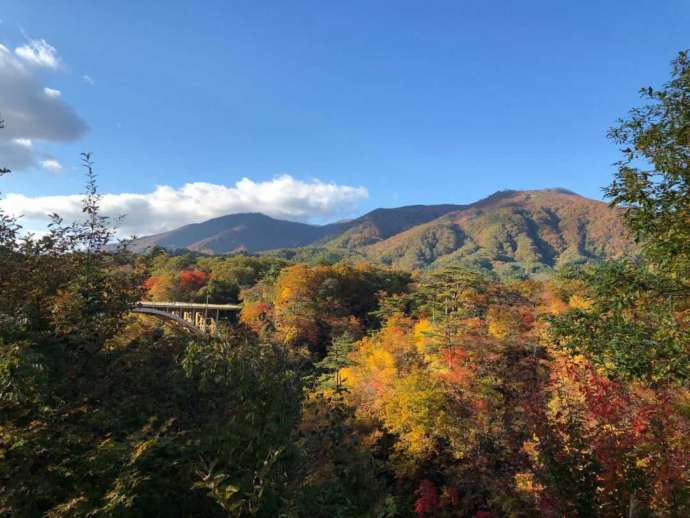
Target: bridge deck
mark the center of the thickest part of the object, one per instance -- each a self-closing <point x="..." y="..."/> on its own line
<point x="203" y="318"/>
<point x="189" y="305"/>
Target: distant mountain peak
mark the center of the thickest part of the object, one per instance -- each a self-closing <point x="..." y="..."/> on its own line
<point x="509" y="231"/>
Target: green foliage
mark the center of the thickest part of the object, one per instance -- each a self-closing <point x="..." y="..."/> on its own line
<point x="101" y="415"/>
<point x="336" y="359"/>
<point x="635" y="326"/>
<point x="653" y="179"/>
<point x="248" y="404"/>
<point x="340" y="476"/>
<point x="314" y="255"/>
<point x="512" y="234"/>
<point x="354" y="390"/>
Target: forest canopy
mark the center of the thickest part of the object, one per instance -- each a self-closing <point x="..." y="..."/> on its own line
<point x="349" y="389"/>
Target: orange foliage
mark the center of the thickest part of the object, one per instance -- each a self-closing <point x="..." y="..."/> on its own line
<point x="193" y="279"/>
<point x="161" y="287"/>
<point x="457" y="372"/>
<point x="255" y="315"/>
<point x="151" y="282"/>
<point x="313" y="303"/>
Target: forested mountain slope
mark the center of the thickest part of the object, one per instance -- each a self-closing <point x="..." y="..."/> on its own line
<point x="234" y="233"/>
<point x="510" y="232"/>
<point x="256" y="232"/>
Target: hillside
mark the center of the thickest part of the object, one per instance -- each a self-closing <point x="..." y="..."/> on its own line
<point x="513" y="233"/>
<point x="234" y="233"/>
<point x="380" y="224"/>
<point x="257" y="232"/>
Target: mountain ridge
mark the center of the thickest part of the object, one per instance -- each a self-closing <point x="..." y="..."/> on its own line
<point x="187" y="236"/>
<point x="510" y="232"/>
<point x="524" y="229"/>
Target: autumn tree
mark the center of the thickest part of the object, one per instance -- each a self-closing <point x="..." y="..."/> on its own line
<point x="313" y="304"/>
<point x="652" y="184"/>
<point x="635" y="324"/>
<point x="99" y="415"/>
<point x="619" y="370"/>
<point x="447" y="387"/>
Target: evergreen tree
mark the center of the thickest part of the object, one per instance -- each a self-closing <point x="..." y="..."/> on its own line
<point x="334" y="362"/>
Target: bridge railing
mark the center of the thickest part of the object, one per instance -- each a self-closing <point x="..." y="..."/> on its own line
<point x="191" y="305"/>
<point x="197" y="316"/>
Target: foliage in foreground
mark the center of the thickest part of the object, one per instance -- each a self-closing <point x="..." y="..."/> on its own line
<point x="354" y="390"/>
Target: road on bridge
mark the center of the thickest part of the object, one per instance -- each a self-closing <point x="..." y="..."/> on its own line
<point x="196" y="317"/>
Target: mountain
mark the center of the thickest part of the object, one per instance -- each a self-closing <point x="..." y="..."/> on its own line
<point x="513" y="233"/>
<point x="255" y="232"/>
<point x="380" y="224"/>
<point x="250" y="232"/>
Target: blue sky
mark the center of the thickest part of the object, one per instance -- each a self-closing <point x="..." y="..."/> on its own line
<point x="417" y="102"/>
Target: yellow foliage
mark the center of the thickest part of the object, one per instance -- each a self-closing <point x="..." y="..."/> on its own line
<point x="525" y="483"/>
<point x="550" y="302"/>
<point x="421" y="331"/>
<point x="579" y="302"/>
<point x="502" y="322"/>
<point x="411" y="409"/>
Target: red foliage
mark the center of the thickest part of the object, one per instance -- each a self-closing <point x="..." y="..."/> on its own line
<point x="151" y="282"/>
<point x="428" y="501"/>
<point x="193" y="279"/>
<point x="479" y="404"/>
<point x="527" y="319"/>
<point x="606" y="399"/>
<point x="457" y="372"/>
<point x="263" y="309"/>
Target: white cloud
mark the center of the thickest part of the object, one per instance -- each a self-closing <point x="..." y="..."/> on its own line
<point x="31" y="113"/>
<point x="39" y="53"/>
<point x="167" y="208"/>
<point x="25" y="142"/>
<point x="50" y="92"/>
<point x="89" y="80"/>
<point x="51" y="165"/>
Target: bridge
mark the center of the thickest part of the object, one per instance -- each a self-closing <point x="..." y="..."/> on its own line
<point x="197" y="318"/>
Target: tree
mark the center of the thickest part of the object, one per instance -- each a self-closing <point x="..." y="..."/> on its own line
<point x="635" y="322"/>
<point x="101" y="415"/>
<point x="633" y="326"/>
<point x="653" y="179"/>
<point x="337" y="359"/>
<point x="313" y="304"/>
<point x="611" y="423"/>
<point x="65" y="298"/>
<point x="3" y="170"/>
<point x="453" y="299"/>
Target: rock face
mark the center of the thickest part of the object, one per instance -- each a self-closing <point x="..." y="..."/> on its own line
<point x="510" y="232"/>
